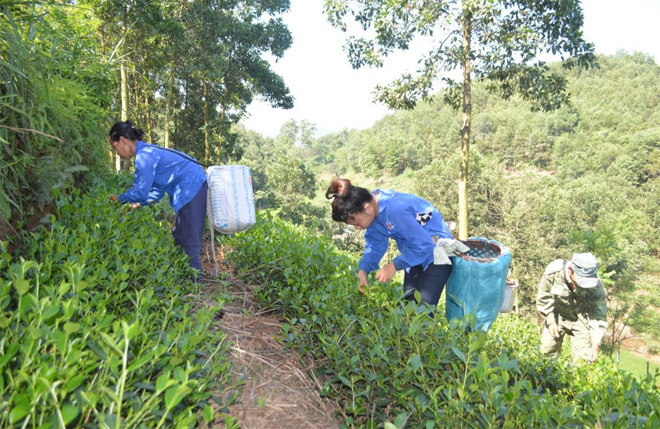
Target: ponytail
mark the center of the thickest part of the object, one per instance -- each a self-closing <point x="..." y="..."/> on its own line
<point x="125" y="129"/>
<point x="346" y="199"/>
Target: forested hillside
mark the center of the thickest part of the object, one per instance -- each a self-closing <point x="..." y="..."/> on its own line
<point x="546" y="184"/>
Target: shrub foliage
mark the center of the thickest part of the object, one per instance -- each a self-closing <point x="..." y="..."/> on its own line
<point x="97" y="329"/>
<point x="384" y="359"/>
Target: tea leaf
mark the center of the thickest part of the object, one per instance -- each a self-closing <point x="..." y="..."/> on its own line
<point x="43" y="385"/>
<point x="208" y="414"/>
<point x="20" y="410"/>
<point x="459" y="354"/>
<point x="70" y="328"/>
<point x="111" y="393"/>
<point x="111" y="342"/>
<point x="478" y="343"/>
<point x="345" y="380"/>
<point x="60" y="340"/>
<point x="69" y="412"/>
<point x="81" y="286"/>
<point x="110" y="420"/>
<point x="146" y="386"/>
<point x="174" y="395"/>
<point x="22" y="286"/>
<point x="163" y="382"/>
<point x="97" y="349"/>
<point x="28" y="302"/>
<point x="51" y="311"/>
<point x="415" y="362"/>
<point x="400" y="419"/>
<point x="90" y="398"/>
<point x="74" y="382"/>
<point x="34" y="332"/>
<point x="144" y="359"/>
<point x="64" y="288"/>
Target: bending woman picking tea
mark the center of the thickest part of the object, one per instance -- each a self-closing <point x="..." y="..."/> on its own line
<point x="159" y="171"/>
<point x="412" y="222"/>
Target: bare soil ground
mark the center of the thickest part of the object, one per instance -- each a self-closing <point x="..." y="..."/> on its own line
<point x="278" y="391"/>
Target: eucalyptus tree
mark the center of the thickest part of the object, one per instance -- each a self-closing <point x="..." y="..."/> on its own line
<point x="498" y="41"/>
<point x="226" y="41"/>
<point x="295" y="139"/>
<point x="135" y="35"/>
<point x="325" y="147"/>
<point x="200" y="60"/>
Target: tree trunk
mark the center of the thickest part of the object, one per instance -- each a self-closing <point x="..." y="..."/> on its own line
<point x="207" y="144"/>
<point x="124" y="91"/>
<point x="221" y="134"/>
<point x="170" y="88"/>
<point x="138" y="88"/>
<point x="465" y="130"/>
<point x="147" y="106"/>
<point x="124" y="102"/>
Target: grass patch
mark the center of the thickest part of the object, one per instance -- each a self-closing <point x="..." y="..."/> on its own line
<point x="635" y="364"/>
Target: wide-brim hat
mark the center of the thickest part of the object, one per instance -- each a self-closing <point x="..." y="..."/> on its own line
<point x="585" y="269"/>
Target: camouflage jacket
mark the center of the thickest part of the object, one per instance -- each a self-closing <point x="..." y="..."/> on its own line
<point x="558" y="302"/>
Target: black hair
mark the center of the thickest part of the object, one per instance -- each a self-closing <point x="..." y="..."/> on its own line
<point x="125" y="129"/>
<point x="347" y="199"/>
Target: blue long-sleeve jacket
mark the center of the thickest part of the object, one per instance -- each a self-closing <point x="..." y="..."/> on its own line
<point x="158" y="171"/>
<point x="409" y="220"/>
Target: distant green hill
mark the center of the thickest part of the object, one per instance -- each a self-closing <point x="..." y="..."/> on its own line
<point x="583" y="178"/>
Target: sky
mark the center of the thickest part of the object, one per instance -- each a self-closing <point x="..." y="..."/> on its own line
<point x="331" y="95"/>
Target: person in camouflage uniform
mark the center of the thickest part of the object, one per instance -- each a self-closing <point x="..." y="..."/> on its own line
<point x="572" y="299"/>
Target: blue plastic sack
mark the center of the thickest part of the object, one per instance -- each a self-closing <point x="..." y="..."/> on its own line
<point x="477" y="284"/>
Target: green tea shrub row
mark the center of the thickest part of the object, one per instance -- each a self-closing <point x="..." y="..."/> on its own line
<point x="386" y="360"/>
<point x="96" y="328"/>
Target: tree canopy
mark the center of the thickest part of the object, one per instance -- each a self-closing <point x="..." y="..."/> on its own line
<point x="498" y="41"/>
<point x="183" y="71"/>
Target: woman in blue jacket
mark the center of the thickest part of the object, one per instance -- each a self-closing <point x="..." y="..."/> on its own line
<point x="412" y="222"/>
<point x="159" y="171"/>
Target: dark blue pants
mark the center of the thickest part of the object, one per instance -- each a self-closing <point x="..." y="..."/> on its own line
<point x="189" y="227"/>
<point x="430" y="282"/>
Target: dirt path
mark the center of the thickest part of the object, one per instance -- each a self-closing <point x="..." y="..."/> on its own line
<point x="277" y="391"/>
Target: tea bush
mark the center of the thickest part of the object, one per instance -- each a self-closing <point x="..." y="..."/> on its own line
<point x="385" y="360"/>
<point x="96" y="327"/>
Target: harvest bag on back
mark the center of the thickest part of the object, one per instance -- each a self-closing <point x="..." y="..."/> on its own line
<point x="231" y="199"/>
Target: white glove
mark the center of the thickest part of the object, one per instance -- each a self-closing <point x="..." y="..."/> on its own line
<point x="440" y="256"/>
<point x="452" y="247"/>
<point x="445" y="247"/>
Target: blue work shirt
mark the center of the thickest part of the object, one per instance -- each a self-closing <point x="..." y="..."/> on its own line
<point x="158" y="171"/>
<point x="410" y="221"/>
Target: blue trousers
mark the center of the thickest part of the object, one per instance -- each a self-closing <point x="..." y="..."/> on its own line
<point x="189" y="227"/>
<point x="430" y="282"/>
